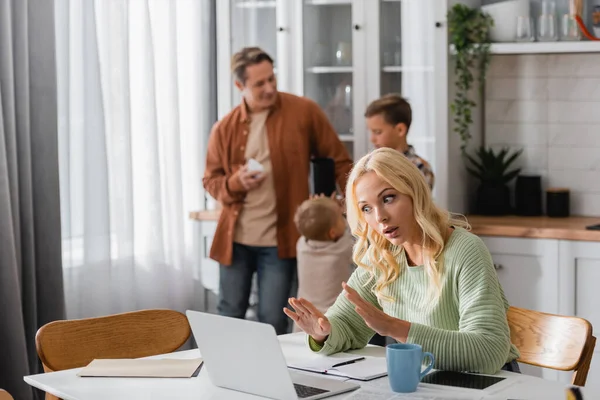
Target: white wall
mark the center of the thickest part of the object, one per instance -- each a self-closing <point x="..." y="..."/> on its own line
<point x="550" y="106"/>
<point x="461" y="186"/>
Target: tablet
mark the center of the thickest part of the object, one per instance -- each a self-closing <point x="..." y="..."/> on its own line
<point x="460" y="379"/>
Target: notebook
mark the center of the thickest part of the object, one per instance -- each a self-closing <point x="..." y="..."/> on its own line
<point x="142" y="368"/>
<point x="346" y="365"/>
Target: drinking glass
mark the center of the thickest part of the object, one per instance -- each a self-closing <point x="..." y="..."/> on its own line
<point x="547" y="22"/>
<point x="524" y="29"/>
<point x="569" y="28"/>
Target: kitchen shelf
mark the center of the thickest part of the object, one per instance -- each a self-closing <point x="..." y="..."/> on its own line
<point x="546" y="47"/>
<point x="257" y="4"/>
<point x="403" y="68"/>
<point x="330" y="70"/>
<point x="328" y="2"/>
<point x="585" y="46"/>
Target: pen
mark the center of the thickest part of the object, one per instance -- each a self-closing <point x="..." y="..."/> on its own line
<point x="347" y="362"/>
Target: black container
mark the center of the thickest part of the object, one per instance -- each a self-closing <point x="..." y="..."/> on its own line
<point x="493" y="199"/>
<point x="557" y="202"/>
<point x="528" y="195"/>
<point x="322" y="179"/>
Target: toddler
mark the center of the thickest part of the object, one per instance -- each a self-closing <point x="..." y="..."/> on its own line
<point x="324" y="251"/>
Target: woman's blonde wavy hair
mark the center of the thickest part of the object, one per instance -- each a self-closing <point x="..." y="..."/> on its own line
<point x="374" y="252"/>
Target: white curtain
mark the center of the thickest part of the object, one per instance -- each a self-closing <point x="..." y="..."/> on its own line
<point x="134" y="102"/>
<point x="418" y="21"/>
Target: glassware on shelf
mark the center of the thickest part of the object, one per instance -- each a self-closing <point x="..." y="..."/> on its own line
<point x="397" y="50"/>
<point x="343" y="54"/>
<point x="524" y="29"/>
<point x="596" y="20"/>
<point x="547" y="31"/>
<point x="569" y="30"/>
<point x="339" y="108"/>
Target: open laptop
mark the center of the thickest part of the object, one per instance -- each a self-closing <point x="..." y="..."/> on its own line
<point x="246" y="356"/>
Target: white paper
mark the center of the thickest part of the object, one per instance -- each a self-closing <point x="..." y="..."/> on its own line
<point x="380" y="389"/>
<point x="370" y="393"/>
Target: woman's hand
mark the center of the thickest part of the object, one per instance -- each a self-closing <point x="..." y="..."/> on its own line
<point x="376" y="319"/>
<point x="309" y="319"/>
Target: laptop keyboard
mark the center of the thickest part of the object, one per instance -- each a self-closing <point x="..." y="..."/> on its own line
<point x="307" y="391"/>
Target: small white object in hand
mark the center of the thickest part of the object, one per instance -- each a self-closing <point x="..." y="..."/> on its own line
<point x="255" y="166"/>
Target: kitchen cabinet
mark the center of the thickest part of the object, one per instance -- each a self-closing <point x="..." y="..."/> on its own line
<point x="345" y="53"/>
<point x="554" y="276"/>
<point x="580" y="279"/>
<point x="527" y="270"/>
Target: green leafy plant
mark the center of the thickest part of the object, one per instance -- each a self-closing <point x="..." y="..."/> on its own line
<point x="469" y="35"/>
<point x="492" y="168"/>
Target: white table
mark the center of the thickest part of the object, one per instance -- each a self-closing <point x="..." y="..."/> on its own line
<point x="67" y="385"/>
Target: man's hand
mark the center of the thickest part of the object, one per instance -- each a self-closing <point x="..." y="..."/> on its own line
<point x="376" y="319"/>
<point x="250" y="180"/>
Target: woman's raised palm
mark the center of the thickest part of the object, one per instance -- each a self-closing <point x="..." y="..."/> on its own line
<point x="309" y="319"/>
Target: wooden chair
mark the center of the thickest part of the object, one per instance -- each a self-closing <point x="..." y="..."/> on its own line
<point x="4" y="395"/>
<point x="75" y="343"/>
<point x="553" y="341"/>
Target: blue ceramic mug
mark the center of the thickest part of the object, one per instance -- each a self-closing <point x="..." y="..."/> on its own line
<point x="404" y="362"/>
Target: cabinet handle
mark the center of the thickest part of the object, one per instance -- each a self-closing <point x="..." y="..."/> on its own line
<point x="356" y="27"/>
<point x="438" y="24"/>
<point x="498" y="266"/>
<point x="281" y="29"/>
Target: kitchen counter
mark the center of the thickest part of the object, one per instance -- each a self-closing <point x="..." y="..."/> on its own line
<point x="205" y="215"/>
<point x="570" y="228"/>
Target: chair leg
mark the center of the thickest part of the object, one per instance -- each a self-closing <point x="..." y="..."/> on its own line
<point x="580" y="375"/>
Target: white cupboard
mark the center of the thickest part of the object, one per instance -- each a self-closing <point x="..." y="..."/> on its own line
<point x="580" y="278"/>
<point x="554" y="276"/>
<point x="345" y="53"/>
<point x="528" y="271"/>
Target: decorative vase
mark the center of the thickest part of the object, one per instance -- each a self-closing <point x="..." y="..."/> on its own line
<point x="493" y="199"/>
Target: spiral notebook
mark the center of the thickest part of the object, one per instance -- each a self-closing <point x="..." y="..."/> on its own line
<point x="346" y="365"/>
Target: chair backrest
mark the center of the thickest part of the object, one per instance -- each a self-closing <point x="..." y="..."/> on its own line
<point x="75" y="343"/>
<point x="553" y="341"/>
<point x="4" y="395"/>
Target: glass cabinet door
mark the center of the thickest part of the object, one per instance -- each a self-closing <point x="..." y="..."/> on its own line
<point x="328" y="62"/>
<point x="391" y="46"/>
<point x="253" y="23"/>
<point x="407" y="30"/>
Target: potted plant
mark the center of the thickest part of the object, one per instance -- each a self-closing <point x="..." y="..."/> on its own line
<point x="469" y="30"/>
<point x="491" y="169"/>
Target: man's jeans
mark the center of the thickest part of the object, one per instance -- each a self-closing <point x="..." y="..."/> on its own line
<point x="275" y="280"/>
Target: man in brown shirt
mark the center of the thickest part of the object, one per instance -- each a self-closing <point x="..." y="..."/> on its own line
<point x="256" y="231"/>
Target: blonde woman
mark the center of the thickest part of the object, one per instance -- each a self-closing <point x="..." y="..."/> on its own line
<point x="421" y="277"/>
